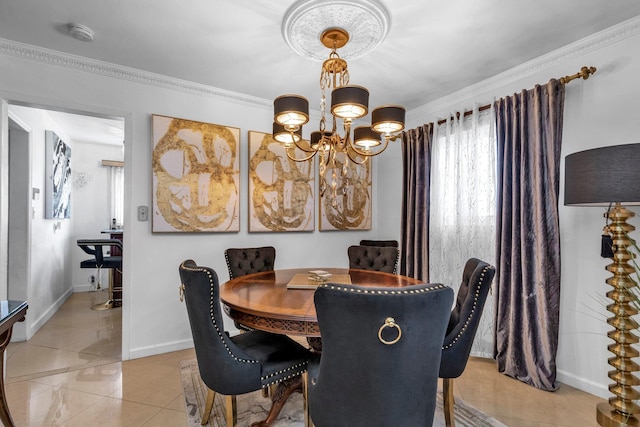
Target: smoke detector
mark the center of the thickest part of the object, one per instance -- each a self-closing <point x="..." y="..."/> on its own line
<point x="81" y="32"/>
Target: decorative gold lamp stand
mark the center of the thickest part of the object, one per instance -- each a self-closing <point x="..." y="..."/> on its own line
<point x="609" y="176"/>
<point x="621" y="410"/>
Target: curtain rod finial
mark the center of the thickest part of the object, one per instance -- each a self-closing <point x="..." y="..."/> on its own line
<point x="584" y="72"/>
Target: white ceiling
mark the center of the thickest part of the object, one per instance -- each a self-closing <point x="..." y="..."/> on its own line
<point x="431" y="49"/>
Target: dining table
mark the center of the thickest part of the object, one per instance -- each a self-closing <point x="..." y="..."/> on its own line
<point x="281" y="301"/>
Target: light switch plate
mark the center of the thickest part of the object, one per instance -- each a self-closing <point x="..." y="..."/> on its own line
<point x="143" y="213"/>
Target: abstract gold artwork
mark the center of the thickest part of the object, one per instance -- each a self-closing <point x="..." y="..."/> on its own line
<point x="280" y="189"/>
<point x="195" y="176"/>
<point x="346" y="203"/>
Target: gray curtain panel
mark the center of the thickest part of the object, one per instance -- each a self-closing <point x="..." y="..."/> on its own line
<point x="416" y="162"/>
<point x="529" y="137"/>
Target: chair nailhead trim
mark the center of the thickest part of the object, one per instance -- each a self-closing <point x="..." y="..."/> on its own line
<point x="213" y="320"/>
<point x="226" y="258"/>
<point x="383" y="291"/>
<point x="295" y="367"/>
<point x="475" y="304"/>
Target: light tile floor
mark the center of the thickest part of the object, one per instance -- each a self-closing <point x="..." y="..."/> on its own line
<point x="70" y="374"/>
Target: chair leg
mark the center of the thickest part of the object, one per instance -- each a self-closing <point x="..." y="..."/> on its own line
<point x="231" y="411"/>
<point x="449" y="401"/>
<point x="305" y="397"/>
<point x="269" y="390"/>
<point x="208" y="407"/>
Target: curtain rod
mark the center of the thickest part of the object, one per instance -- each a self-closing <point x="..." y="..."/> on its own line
<point x="584" y="72"/>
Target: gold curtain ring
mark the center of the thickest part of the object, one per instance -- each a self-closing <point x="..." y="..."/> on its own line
<point x="389" y="323"/>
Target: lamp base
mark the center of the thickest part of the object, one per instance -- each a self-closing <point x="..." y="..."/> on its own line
<point x="609" y="417"/>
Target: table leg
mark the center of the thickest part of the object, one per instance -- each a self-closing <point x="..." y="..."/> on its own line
<point x="5" y="416"/>
<point x="315" y="343"/>
<point x="282" y="393"/>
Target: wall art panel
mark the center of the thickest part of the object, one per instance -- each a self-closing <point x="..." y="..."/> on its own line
<point x="195" y="176"/>
<point x="58" y="173"/>
<point x="281" y="190"/>
<point x="345" y="203"/>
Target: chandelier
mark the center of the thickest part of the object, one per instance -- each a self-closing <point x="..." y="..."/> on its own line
<point x="348" y="103"/>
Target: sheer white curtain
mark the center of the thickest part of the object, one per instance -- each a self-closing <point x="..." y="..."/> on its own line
<point x="463" y="206"/>
<point x="117" y="194"/>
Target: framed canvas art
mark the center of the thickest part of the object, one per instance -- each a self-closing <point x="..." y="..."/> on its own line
<point x="58" y="173"/>
<point x="195" y="176"/>
<point x="345" y="203"/>
<point x="281" y="190"/>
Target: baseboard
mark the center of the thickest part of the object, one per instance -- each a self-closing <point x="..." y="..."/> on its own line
<point x="582" y="384"/>
<point x="154" y="350"/>
<point x="83" y="288"/>
<point x="48" y="314"/>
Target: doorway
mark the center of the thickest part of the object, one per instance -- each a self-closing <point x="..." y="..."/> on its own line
<point x="18" y="256"/>
<point x="49" y="277"/>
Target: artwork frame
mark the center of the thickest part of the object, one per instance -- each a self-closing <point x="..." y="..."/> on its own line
<point x="196" y="176"/>
<point x="59" y="177"/>
<point x="281" y="190"/>
<point x="349" y="206"/>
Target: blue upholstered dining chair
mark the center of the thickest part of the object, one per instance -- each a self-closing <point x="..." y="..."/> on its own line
<point x="374" y="258"/>
<point x="232" y="365"/>
<point x="381" y="350"/>
<point x="241" y="261"/>
<point x="463" y="324"/>
<point x="382" y="243"/>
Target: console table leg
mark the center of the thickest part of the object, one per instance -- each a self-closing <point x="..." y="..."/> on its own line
<point x="5" y="416"/>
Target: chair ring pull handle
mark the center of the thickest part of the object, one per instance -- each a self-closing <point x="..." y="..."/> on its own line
<point x="389" y="323"/>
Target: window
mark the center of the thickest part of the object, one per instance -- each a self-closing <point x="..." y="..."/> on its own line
<point x="463" y="205"/>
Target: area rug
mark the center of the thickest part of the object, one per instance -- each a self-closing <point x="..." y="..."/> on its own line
<point x="253" y="407"/>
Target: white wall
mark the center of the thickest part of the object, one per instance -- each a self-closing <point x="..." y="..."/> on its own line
<point x="600" y="111"/>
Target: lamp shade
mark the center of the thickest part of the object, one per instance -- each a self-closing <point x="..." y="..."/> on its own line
<point x="350" y="102"/>
<point x="388" y="119"/>
<point x="365" y="137"/>
<point x="315" y="138"/>
<point x="291" y="110"/>
<point x="602" y="176"/>
<point x="284" y="136"/>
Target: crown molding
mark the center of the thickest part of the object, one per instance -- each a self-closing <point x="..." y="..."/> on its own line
<point x="80" y="63"/>
<point x="609" y="36"/>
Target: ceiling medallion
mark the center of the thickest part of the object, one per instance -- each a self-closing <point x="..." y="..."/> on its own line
<point x="367" y="21"/>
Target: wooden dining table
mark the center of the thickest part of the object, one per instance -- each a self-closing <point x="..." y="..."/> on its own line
<point x="264" y="301"/>
<point x="273" y="301"/>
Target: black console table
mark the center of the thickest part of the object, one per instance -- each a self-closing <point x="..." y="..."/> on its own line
<point x="10" y="313"/>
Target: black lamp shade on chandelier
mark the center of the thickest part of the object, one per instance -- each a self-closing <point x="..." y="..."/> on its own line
<point x="388" y="119"/>
<point x="602" y="176"/>
<point x="350" y="102"/>
<point x="285" y="136"/>
<point x="365" y="137"/>
<point x="291" y="110"/>
<point x="315" y="138"/>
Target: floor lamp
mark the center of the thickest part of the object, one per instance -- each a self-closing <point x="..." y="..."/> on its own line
<point x="610" y="176"/>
